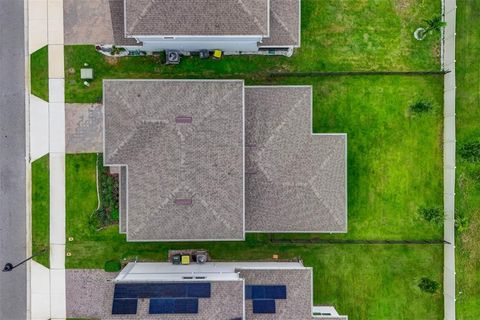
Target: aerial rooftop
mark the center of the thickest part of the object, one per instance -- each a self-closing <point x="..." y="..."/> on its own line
<point x="182" y="143"/>
<point x="200" y="17"/>
<point x="188" y="176"/>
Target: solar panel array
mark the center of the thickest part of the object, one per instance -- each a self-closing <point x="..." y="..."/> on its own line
<point x="165" y="306"/>
<point x="164" y="297"/>
<point x="264" y="296"/>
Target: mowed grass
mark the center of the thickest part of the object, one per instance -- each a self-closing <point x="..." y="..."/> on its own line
<point x="39" y="73"/>
<point x="468" y="174"/>
<point x="394" y="157"/>
<point x="336" y="36"/>
<point x="363" y="281"/>
<point x="41" y="209"/>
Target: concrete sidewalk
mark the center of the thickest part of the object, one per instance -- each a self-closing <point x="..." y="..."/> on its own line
<point x="47" y="128"/>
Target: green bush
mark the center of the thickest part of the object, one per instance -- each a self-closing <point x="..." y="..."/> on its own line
<point x="470" y="151"/>
<point x="428" y="285"/>
<point x="421" y="107"/>
<point x="112" y="266"/>
<point x="434" y="214"/>
<point x="108" y="212"/>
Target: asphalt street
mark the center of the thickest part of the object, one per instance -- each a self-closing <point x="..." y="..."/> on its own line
<point x="13" y="285"/>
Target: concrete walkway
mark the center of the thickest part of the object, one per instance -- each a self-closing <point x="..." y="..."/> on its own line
<point x="46" y="28"/>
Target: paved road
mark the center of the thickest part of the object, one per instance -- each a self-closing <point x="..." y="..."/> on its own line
<point x="13" y="285"/>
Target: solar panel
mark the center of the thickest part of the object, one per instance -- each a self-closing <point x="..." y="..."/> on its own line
<point x="264" y="306"/>
<point x="276" y="292"/>
<point x="198" y="290"/>
<point x="124" y="306"/>
<point x="265" y="292"/>
<point x="258" y="292"/>
<point x="248" y="292"/>
<point x="170" y="306"/>
<point x="162" y="290"/>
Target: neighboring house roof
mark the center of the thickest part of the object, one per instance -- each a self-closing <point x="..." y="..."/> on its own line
<point x="295" y="180"/>
<point x="117" y="13"/>
<point x="284" y="24"/>
<point x="182" y="143"/>
<point x="199" y="17"/>
<point x="298" y="282"/>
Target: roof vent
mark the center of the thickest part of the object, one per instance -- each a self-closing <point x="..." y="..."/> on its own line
<point x="183" y="119"/>
<point x="183" y="202"/>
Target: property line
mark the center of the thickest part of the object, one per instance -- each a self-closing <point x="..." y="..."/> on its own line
<point x="360" y="241"/>
<point x="357" y="73"/>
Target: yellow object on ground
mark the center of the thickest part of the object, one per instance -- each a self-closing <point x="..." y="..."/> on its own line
<point x="217" y="54"/>
<point x="185" y="259"/>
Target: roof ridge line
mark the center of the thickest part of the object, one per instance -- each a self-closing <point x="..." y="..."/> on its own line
<point x="255" y="20"/>
<point x="277" y="17"/>
<point x="141" y="16"/>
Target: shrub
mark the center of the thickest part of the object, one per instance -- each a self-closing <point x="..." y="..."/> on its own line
<point x="428" y="285"/>
<point x="470" y="151"/>
<point x="112" y="266"/>
<point x="434" y="214"/>
<point x="421" y="107"/>
<point x="107" y="213"/>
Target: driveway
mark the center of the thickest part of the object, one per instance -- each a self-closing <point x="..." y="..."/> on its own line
<point x="87" y="22"/>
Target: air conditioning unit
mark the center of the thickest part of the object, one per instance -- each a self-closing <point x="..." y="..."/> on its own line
<point x="201" y="257"/>
<point x="172" y="57"/>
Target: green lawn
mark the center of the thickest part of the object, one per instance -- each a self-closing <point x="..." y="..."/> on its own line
<point x="336" y="36"/>
<point x="40" y="209"/>
<point x="468" y="174"/>
<point x="39" y="73"/>
<point x="365" y="282"/>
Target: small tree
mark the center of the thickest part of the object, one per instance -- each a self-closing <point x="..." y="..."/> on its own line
<point x="435" y="24"/>
<point x="428" y="285"/>
<point x="434" y="214"/>
<point x="420" y="107"/>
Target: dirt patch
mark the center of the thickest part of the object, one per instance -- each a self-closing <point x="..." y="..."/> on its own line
<point x="402" y="7"/>
<point x="111" y="60"/>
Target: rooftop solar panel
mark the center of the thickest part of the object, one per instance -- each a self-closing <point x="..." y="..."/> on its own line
<point x="198" y="290"/>
<point x="171" y="306"/>
<point x="264" y="306"/>
<point x="265" y="292"/>
<point x="275" y="292"/>
<point x="124" y="306"/>
<point x="162" y="290"/>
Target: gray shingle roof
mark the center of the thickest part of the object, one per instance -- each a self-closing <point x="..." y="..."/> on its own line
<point x="117" y="13"/>
<point x="298" y="304"/>
<point x="90" y="295"/>
<point x="284" y="24"/>
<point x="171" y="164"/>
<point x="199" y="17"/>
<point x="295" y="181"/>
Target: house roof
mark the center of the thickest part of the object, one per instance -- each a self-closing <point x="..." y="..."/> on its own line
<point x="298" y="282"/>
<point x="295" y="181"/>
<point x="284" y="24"/>
<point x="182" y="143"/>
<point x="199" y="17"/>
